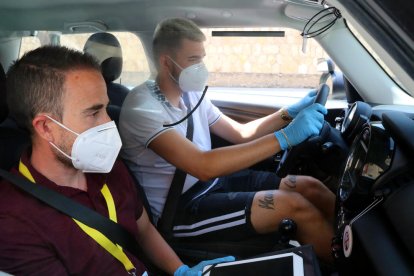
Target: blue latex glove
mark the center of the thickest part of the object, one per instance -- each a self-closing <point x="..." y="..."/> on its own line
<point x="294" y="109"/>
<point x="197" y="270"/>
<point x="308" y="123"/>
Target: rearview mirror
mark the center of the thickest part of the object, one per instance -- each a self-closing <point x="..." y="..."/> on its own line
<point x="325" y="65"/>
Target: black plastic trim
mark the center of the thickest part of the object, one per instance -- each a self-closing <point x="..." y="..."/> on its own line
<point x="401" y="129"/>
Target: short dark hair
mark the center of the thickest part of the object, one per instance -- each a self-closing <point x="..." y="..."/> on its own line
<point x="169" y="34"/>
<point x="35" y="82"/>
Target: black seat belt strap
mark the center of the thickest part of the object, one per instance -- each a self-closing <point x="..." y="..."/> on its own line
<point x="165" y="224"/>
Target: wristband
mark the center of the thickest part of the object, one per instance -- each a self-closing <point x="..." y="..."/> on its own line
<point x="285" y="115"/>
<point x="287" y="140"/>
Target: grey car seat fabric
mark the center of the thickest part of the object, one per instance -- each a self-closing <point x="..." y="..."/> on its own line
<point x="106" y="48"/>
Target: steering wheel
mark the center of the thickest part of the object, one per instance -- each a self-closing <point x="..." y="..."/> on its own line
<point x="288" y="160"/>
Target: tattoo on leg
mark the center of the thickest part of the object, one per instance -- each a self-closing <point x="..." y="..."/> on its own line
<point x="291" y="182"/>
<point x="267" y="202"/>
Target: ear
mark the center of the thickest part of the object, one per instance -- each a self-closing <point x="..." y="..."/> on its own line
<point x="43" y="127"/>
<point x="165" y="63"/>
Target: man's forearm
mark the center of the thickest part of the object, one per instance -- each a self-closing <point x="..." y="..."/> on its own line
<point x="226" y="160"/>
<point x="266" y="125"/>
<point x="159" y="252"/>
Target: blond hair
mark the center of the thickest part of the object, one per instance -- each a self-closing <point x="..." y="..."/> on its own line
<point x="169" y="33"/>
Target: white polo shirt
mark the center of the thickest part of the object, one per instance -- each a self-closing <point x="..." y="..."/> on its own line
<point x="143" y="114"/>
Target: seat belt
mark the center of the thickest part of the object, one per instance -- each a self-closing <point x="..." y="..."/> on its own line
<point x="114" y="249"/>
<point x="108" y="229"/>
<point x="165" y="224"/>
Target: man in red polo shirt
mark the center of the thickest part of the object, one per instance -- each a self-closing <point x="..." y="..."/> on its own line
<point x="59" y="96"/>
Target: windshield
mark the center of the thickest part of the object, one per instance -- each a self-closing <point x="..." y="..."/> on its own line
<point x="377" y="57"/>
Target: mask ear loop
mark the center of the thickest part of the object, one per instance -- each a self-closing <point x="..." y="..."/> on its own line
<point x="68" y="129"/>
<point x="191" y="112"/>
<point x="61" y="151"/>
<point x="61" y="125"/>
<point x="176" y="64"/>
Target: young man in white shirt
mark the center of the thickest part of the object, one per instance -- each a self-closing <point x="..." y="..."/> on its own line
<point x="220" y="198"/>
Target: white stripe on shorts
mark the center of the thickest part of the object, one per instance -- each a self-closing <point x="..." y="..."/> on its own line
<point x="210" y="221"/>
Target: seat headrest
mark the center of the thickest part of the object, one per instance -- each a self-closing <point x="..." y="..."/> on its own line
<point x="3" y="99"/>
<point x="106" y="48"/>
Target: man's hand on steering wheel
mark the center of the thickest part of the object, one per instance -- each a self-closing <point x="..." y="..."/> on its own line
<point x="294" y="109"/>
<point x="308" y="122"/>
<point x="300" y="130"/>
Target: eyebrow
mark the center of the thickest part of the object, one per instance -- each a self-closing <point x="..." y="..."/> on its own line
<point x="95" y="108"/>
<point x="196" y="56"/>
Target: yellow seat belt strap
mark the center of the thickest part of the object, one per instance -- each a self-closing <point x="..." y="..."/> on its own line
<point x="114" y="249"/>
<point x="109" y="246"/>
<point x="109" y="202"/>
<point x="25" y="172"/>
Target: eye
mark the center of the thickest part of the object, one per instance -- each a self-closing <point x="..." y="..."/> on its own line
<point x="195" y="59"/>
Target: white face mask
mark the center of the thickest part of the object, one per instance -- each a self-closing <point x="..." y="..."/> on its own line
<point x="94" y="150"/>
<point x="192" y="78"/>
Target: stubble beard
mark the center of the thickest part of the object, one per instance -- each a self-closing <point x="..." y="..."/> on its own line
<point x="65" y="146"/>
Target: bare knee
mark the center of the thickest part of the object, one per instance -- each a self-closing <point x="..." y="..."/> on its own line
<point x="307" y="186"/>
<point x="300" y="208"/>
<point x="312" y="187"/>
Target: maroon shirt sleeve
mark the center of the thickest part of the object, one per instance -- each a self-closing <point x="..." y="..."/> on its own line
<point x="123" y="177"/>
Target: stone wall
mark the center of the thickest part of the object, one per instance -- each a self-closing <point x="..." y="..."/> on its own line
<point x="263" y="61"/>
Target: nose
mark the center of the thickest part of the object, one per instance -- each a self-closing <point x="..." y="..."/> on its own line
<point x="106" y="117"/>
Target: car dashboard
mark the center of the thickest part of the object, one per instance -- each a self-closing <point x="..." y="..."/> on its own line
<point x="374" y="210"/>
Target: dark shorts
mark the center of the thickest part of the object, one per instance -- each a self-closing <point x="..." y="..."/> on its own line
<point x="221" y="211"/>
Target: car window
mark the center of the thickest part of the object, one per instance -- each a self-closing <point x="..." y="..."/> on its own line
<point x="135" y="68"/>
<point x="265" y="62"/>
<point x="251" y="62"/>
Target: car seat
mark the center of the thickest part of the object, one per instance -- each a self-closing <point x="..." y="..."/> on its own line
<point x="3" y="99"/>
<point x="13" y="139"/>
<point x="106" y="49"/>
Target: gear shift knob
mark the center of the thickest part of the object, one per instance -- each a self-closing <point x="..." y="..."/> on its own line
<point x="287" y="229"/>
